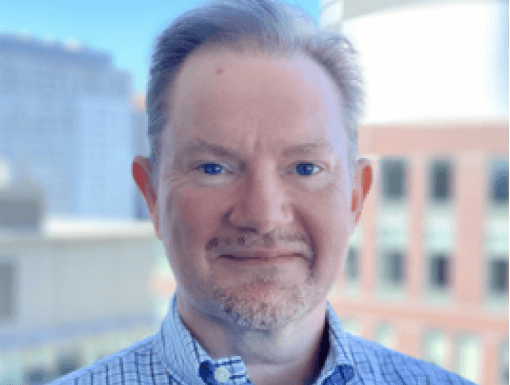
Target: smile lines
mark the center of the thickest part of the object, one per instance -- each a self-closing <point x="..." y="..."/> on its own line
<point x="266" y="245"/>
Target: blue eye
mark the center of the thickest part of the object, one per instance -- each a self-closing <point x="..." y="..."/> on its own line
<point x="212" y="168"/>
<point x="306" y="169"/>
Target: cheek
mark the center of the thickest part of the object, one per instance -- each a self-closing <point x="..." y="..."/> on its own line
<point x="330" y="229"/>
<point x="185" y="232"/>
<point x="192" y="219"/>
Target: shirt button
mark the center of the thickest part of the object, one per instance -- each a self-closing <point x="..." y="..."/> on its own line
<point x="221" y="374"/>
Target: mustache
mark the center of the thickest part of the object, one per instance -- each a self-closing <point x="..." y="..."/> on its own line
<point x="295" y="243"/>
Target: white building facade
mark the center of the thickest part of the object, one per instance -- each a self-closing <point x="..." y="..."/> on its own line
<point x="74" y="293"/>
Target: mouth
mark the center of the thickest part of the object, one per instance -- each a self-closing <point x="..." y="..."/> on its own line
<point x="237" y="257"/>
<point x="260" y="257"/>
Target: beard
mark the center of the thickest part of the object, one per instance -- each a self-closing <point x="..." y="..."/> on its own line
<point x="260" y="301"/>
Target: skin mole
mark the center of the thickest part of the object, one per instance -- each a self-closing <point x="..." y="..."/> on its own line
<point x="219" y="71"/>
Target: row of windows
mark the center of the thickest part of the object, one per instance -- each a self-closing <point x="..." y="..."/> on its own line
<point x="441" y="180"/>
<point x="41" y="375"/>
<point x="393" y="270"/>
<point x="52" y="362"/>
<point x="54" y="83"/>
<point x="467" y="355"/>
<point x="461" y="354"/>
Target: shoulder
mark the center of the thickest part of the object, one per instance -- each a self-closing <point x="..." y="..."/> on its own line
<point x="388" y="365"/>
<point x="137" y="364"/>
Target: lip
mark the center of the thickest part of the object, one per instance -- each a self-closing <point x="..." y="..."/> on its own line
<point x="259" y="257"/>
<point x="265" y="251"/>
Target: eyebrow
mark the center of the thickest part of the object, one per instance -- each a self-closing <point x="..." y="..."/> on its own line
<point x="198" y="145"/>
<point x="306" y="148"/>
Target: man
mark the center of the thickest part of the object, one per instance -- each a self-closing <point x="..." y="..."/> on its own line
<point x="254" y="188"/>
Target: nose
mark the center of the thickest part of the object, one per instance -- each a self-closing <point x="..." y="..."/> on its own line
<point x="264" y="204"/>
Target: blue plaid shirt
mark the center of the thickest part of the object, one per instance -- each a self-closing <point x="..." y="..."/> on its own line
<point x="173" y="356"/>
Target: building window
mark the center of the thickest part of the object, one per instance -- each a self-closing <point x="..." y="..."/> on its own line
<point x="504" y="364"/>
<point x="440" y="181"/>
<point x="351" y="264"/>
<point x="499" y="182"/>
<point x="393" y="267"/>
<point x="439" y="271"/>
<point x="68" y="364"/>
<point x="7" y="291"/>
<point x="350" y="325"/>
<point x="385" y="335"/>
<point x="37" y="376"/>
<point x="393" y="178"/>
<point x="468" y="358"/>
<point x="498" y="276"/>
<point x="435" y="348"/>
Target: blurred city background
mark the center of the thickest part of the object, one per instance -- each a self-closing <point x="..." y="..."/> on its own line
<point x="82" y="274"/>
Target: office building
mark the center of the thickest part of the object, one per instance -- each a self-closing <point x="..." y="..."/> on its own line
<point x="71" y="294"/>
<point x="140" y="147"/>
<point x="65" y="110"/>
<point x="427" y="273"/>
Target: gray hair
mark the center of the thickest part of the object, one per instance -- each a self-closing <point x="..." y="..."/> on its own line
<point x="268" y="26"/>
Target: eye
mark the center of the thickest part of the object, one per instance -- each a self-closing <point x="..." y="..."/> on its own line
<point x="306" y="169"/>
<point x="212" y="168"/>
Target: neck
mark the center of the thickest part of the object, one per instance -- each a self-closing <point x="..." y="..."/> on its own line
<point x="300" y="366"/>
<point x="293" y="353"/>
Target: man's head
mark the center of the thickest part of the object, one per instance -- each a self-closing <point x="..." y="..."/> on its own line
<point x="263" y="26"/>
<point x="254" y="196"/>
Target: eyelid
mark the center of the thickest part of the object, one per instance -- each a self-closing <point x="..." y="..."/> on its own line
<point x="229" y="169"/>
<point x="195" y="166"/>
<point x="319" y="166"/>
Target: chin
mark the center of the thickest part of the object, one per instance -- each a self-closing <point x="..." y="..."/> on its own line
<point x="263" y="304"/>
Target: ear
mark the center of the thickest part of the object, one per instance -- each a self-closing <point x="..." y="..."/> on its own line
<point x="141" y="170"/>
<point x="361" y="186"/>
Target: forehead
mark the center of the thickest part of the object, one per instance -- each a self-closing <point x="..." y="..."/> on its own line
<point x="220" y="90"/>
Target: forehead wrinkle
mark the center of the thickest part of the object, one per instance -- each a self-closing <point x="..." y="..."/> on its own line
<point x="200" y="145"/>
<point x="199" y="110"/>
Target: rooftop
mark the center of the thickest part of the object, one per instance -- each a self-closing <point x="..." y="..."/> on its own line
<point x="69" y="229"/>
<point x="73" y="51"/>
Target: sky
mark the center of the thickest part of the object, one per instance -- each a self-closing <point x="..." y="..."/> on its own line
<point x="125" y="29"/>
<point x="463" y="48"/>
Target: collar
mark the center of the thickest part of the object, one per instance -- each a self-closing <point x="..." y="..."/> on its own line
<point x="186" y="360"/>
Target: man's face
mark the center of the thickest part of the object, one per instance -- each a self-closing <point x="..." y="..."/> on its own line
<point x="254" y="204"/>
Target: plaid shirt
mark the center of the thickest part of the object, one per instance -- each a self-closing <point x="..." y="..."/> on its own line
<point x="173" y="356"/>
